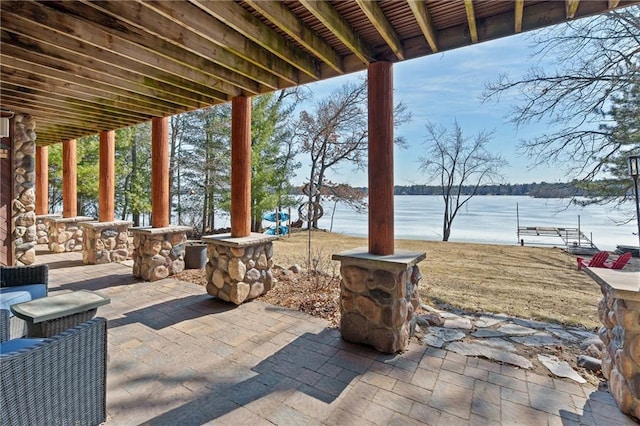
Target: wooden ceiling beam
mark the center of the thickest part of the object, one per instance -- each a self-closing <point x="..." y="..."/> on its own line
<point x="120" y="97"/>
<point x="64" y="106"/>
<point x="572" y="8"/>
<point x="154" y="32"/>
<point x="54" y="57"/>
<point x="279" y="15"/>
<point x="238" y="18"/>
<point x="330" y="18"/>
<point x="471" y="19"/>
<point x="421" y="13"/>
<point x="195" y="19"/>
<point x="377" y="17"/>
<point x="24" y="79"/>
<point x="518" y="9"/>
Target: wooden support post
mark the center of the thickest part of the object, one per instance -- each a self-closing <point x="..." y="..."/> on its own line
<point x="160" y="172"/>
<point x="106" y="189"/>
<point x="240" y="166"/>
<point x="69" y="179"/>
<point x="380" y="80"/>
<point x="42" y="180"/>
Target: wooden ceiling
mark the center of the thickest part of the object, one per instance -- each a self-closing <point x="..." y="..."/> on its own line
<point x="83" y="66"/>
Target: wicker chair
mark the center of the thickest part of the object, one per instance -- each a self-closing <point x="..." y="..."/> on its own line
<point x="11" y="276"/>
<point x="59" y="381"/>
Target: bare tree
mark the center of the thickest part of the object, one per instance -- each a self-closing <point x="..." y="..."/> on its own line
<point x="461" y="165"/>
<point x="336" y="132"/>
<point x="595" y="60"/>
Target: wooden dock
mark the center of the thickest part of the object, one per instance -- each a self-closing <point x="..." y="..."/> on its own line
<point x="574" y="240"/>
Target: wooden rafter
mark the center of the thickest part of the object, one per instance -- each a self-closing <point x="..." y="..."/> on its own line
<point x="518" y="9"/>
<point x="278" y="13"/>
<point x="153" y="31"/>
<point x="471" y="19"/>
<point x="613" y="4"/>
<point x="238" y="18"/>
<point x="421" y="13"/>
<point x="325" y="13"/>
<point x="572" y="8"/>
<point x="377" y="17"/>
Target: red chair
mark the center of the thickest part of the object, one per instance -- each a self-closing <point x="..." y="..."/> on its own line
<point x="597" y="261"/>
<point x="619" y="262"/>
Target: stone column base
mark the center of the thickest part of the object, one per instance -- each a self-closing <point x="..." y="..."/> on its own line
<point x="65" y="233"/>
<point x="378" y="295"/>
<point x="619" y="311"/>
<point x="42" y="228"/>
<point x="105" y="242"/>
<point x="158" y="252"/>
<point x="239" y="269"/>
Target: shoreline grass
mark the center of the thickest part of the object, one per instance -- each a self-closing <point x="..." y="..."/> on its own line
<point x="528" y="282"/>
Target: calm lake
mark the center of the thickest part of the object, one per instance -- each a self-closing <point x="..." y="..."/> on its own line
<point x="489" y="219"/>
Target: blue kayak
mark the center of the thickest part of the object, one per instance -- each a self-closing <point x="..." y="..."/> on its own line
<point x="271" y="216"/>
<point x="282" y="230"/>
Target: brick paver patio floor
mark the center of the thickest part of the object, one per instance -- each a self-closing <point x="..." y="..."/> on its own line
<point x="176" y="356"/>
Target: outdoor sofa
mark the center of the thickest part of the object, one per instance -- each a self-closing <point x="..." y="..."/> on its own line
<point x="60" y="380"/>
<point x="21" y="284"/>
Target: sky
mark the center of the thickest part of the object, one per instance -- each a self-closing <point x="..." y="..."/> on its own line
<point x="444" y="87"/>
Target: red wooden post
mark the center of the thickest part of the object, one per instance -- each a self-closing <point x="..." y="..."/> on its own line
<point x="69" y="179"/>
<point x="42" y="180"/>
<point x="160" y="172"/>
<point x="380" y="80"/>
<point x="240" y="166"/>
<point x="106" y="190"/>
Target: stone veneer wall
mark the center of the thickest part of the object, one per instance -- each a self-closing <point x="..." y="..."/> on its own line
<point x="158" y="252"/>
<point x="239" y="269"/>
<point x="24" y="204"/>
<point x="106" y="242"/>
<point x="42" y="227"/>
<point x="65" y="233"/>
<point x="378" y="299"/>
<point x="621" y="359"/>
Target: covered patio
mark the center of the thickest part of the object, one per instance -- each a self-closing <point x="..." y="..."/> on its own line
<point x="178" y="356"/>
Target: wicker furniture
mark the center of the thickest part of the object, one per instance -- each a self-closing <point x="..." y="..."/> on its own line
<point x="49" y="316"/>
<point x="59" y="381"/>
<point x="14" y="279"/>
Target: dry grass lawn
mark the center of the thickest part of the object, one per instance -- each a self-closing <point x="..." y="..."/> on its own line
<point x="528" y="282"/>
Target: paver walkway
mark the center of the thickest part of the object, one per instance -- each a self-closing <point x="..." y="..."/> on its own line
<point x="176" y="356"/>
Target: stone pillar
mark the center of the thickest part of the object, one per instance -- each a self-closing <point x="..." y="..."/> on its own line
<point x="105" y="242"/>
<point x="378" y="296"/>
<point x="42" y="227"/>
<point x="158" y="252"/>
<point x="619" y="312"/>
<point x="65" y="233"/>
<point x="24" y="203"/>
<point x="239" y="269"/>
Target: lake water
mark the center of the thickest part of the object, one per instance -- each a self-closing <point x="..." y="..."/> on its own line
<point x="489" y="219"/>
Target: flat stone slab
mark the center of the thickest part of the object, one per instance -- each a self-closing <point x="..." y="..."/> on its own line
<point x="515" y="330"/>
<point x="172" y="229"/>
<point x="459" y="323"/>
<point x="399" y="261"/>
<point x="536" y="340"/>
<point x="538" y="325"/>
<point x="625" y="284"/>
<point x="251" y="240"/>
<point x="432" y="340"/>
<point x="447" y="334"/>
<point x="560" y="368"/>
<point x="496" y="342"/>
<point x="475" y="349"/>
<point x="564" y="335"/>
<point x="488" y="321"/>
<point x="484" y="333"/>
